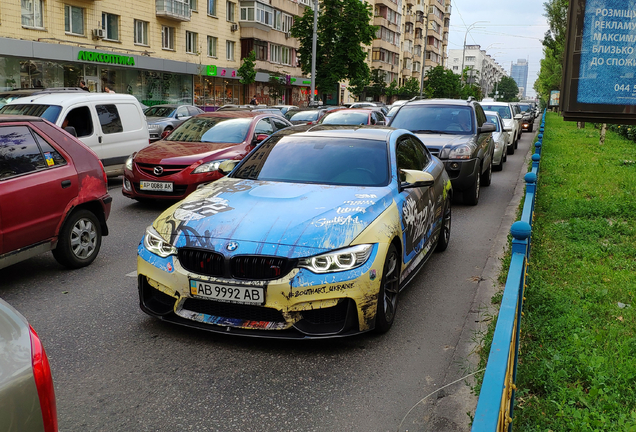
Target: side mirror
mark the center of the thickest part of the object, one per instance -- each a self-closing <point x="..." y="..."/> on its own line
<point x="415" y="178"/>
<point x="518" y="117"/>
<point x="227" y="166"/>
<point x="258" y="138"/>
<point x="487" y="127"/>
<point x="71" y="130"/>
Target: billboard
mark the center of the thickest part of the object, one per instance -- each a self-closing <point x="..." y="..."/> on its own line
<point x="555" y="95"/>
<point x="599" y="79"/>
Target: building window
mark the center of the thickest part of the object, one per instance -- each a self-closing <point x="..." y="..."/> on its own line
<point x="73" y="20"/>
<point x="274" y="53"/>
<point x="278" y="20"/>
<point x="231" y="7"/>
<point x="260" y="47"/>
<point x="32" y="13"/>
<point x="229" y="49"/>
<point x="212" y="7"/>
<point x="212" y="41"/>
<point x="288" y="22"/>
<point x="110" y="24"/>
<point x="141" y="32"/>
<point x="191" y="42"/>
<point x="193" y="5"/>
<point x="167" y="37"/>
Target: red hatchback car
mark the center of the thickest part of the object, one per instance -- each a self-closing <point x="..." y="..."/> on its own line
<point x="173" y="167"/>
<point x="53" y="194"/>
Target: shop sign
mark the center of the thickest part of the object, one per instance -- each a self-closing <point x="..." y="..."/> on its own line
<point x="106" y="58"/>
<point x="212" y="70"/>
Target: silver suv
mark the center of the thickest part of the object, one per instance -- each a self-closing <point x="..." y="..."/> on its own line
<point x="164" y="118"/>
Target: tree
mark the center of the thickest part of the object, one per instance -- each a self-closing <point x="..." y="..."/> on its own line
<point x="471" y="90"/>
<point x="247" y="71"/>
<point x="343" y="29"/>
<point x="392" y="89"/>
<point x="410" y="88"/>
<point x="378" y="83"/>
<point x="507" y="88"/>
<point x="276" y="87"/>
<point x="441" y="83"/>
<point x="553" y="48"/>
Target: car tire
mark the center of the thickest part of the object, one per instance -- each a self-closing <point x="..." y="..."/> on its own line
<point x="389" y="291"/>
<point x="471" y="195"/>
<point x="504" y="157"/>
<point x="517" y="141"/>
<point x="486" y="179"/>
<point x="445" y="230"/>
<point x="531" y="128"/>
<point x="499" y="167"/>
<point x="510" y="149"/>
<point x="79" y="241"/>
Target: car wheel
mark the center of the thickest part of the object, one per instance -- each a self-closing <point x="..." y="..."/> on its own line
<point x="504" y="157"/>
<point x="445" y="230"/>
<point x="487" y="178"/>
<point x="499" y="166"/>
<point x="510" y="149"/>
<point x="531" y="128"/>
<point x="79" y="240"/>
<point x="517" y="141"/>
<point x="471" y="195"/>
<point x="389" y="290"/>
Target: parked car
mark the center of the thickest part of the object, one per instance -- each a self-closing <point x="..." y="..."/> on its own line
<point x="190" y="156"/>
<point x="284" y="108"/>
<point x="166" y="117"/>
<point x="527" y="121"/>
<point x="348" y="116"/>
<point x="500" y="137"/>
<point x="512" y="122"/>
<point x="457" y="132"/>
<point x="113" y="125"/>
<point x="311" y="246"/>
<point x="310" y="116"/>
<point x="53" y="194"/>
<point x="370" y="104"/>
<point x="27" y="393"/>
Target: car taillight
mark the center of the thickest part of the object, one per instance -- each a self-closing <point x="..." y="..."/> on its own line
<point x="104" y="174"/>
<point x="44" y="383"/>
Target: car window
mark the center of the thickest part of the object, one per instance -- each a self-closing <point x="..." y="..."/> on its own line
<point x="48" y="112"/>
<point x="81" y="119"/>
<point x="279" y="124"/>
<point x="435" y="119"/>
<point x="345" y="117"/>
<point x="380" y="116"/>
<point x="109" y="119"/>
<point x="159" y="111"/>
<point x="305" y="116"/>
<point x="481" y="117"/>
<point x="51" y="156"/>
<point x="411" y="155"/>
<point x="320" y="160"/>
<point x="503" y="110"/>
<point x="19" y="153"/>
<point x="212" y="130"/>
<point x="182" y="111"/>
<point x="264" y="126"/>
<point x="494" y="120"/>
<point x="193" y="111"/>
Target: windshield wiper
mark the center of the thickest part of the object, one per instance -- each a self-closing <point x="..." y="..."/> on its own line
<point x="431" y="131"/>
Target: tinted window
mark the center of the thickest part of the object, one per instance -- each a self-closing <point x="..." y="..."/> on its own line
<point x="19" y="153"/>
<point x="48" y="112"/>
<point x="346" y="118"/>
<point x="159" y="111"/>
<point x="305" y="116"/>
<point x="481" y="117"/>
<point x="193" y="111"/>
<point x="279" y="124"/>
<point x="264" y="127"/>
<point x="109" y="119"/>
<point x="444" y="119"/>
<point x="80" y="118"/>
<point x="212" y="130"/>
<point x="411" y="155"/>
<point x="332" y="161"/>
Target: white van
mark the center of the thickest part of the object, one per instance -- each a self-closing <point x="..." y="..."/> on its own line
<point x="113" y="125"/>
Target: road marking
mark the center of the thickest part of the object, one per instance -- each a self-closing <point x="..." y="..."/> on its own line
<point x="132" y="274"/>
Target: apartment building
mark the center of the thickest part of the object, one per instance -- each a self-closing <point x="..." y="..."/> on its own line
<point x="158" y="50"/>
<point x="483" y="68"/>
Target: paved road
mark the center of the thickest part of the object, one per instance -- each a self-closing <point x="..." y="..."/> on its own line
<point x="116" y="369"/>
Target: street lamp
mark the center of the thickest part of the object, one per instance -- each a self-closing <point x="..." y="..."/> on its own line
<point x="469" y="28"/>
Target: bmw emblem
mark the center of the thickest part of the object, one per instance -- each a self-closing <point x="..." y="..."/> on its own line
<point x="158" y="170"/>
<point x="232" y="246"/>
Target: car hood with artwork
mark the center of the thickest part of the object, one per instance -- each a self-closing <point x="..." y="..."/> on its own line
<point x="180" y="153"/>
<point x="272" y="218"/>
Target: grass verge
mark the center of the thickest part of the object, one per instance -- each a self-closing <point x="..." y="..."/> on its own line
<point x="577" y="367"/>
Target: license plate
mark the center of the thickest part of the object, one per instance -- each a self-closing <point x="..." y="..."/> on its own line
<point x="227" y="293"/>
<point x="156" y="186"/>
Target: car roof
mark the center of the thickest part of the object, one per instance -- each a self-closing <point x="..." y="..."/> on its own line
<point x="379" y="133"/>
<point x="7" y="118"/>
<point x="497" y="103"/>
<point x="439" y="102"/>
<point x="169" y="105"/>
<point x="233" y="114"/>
<point x="60" y="98"/>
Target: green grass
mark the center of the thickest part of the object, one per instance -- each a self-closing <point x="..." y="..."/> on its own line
<point x="577" y="367"/>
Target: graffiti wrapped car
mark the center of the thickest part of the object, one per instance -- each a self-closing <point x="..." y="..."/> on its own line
<point x="312" y="235"/>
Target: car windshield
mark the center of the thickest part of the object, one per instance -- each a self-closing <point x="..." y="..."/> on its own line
<point x="159" y="111"/>
<point x="444" y="119"/>
<point x="212" y="129"/>
<point x="503" y="110"/>
<point x="305" y="116"/>
<point x="524" y="107"/>
<point x="493" y="119"/>
<point x="48" y="112"/>
<point x="345" y="118"/>
<point x="320" y="160"/>
<point x="393" y="110"/>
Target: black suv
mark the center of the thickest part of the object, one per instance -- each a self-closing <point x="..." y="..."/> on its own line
<point x="527" y="110"/>
<point x="457" y="132"/>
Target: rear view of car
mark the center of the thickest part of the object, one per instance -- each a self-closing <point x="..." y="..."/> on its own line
<point x="27" y="395"/>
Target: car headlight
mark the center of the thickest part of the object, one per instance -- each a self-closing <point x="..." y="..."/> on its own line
<point x="157" y="245"/>
<point x="208" y="167"/>
<point x="340" y="260"/>
<point x="463" y="151"/>
<point x="129" y="163"/>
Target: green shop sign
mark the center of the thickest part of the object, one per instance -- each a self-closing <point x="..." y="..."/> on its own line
<point x="106" y="58"/>
<point x="211" y="70"/>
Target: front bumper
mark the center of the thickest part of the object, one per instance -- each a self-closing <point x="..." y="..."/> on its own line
<point x="461" y="173"/>
<point x="184" y="184"/>
<point x="299" y="305"/>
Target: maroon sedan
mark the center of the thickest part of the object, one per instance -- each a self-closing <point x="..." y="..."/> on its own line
<point x="173" y="167"/>
<point x="53" y="194"/>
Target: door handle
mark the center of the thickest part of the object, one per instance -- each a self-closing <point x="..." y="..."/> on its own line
<point x="99" y="139"/>
<point x="66" y="183"/>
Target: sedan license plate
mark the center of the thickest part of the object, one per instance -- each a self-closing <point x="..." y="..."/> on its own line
<point x="155" y="186"/>
<point x="227" y="293"/>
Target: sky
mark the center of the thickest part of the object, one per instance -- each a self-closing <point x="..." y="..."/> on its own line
<point x="507" y="30"/>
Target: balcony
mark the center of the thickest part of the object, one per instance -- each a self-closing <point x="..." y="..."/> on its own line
<point x="173" y="9"/>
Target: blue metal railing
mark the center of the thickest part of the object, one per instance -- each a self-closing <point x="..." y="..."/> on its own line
<point x="496" y="399"/>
